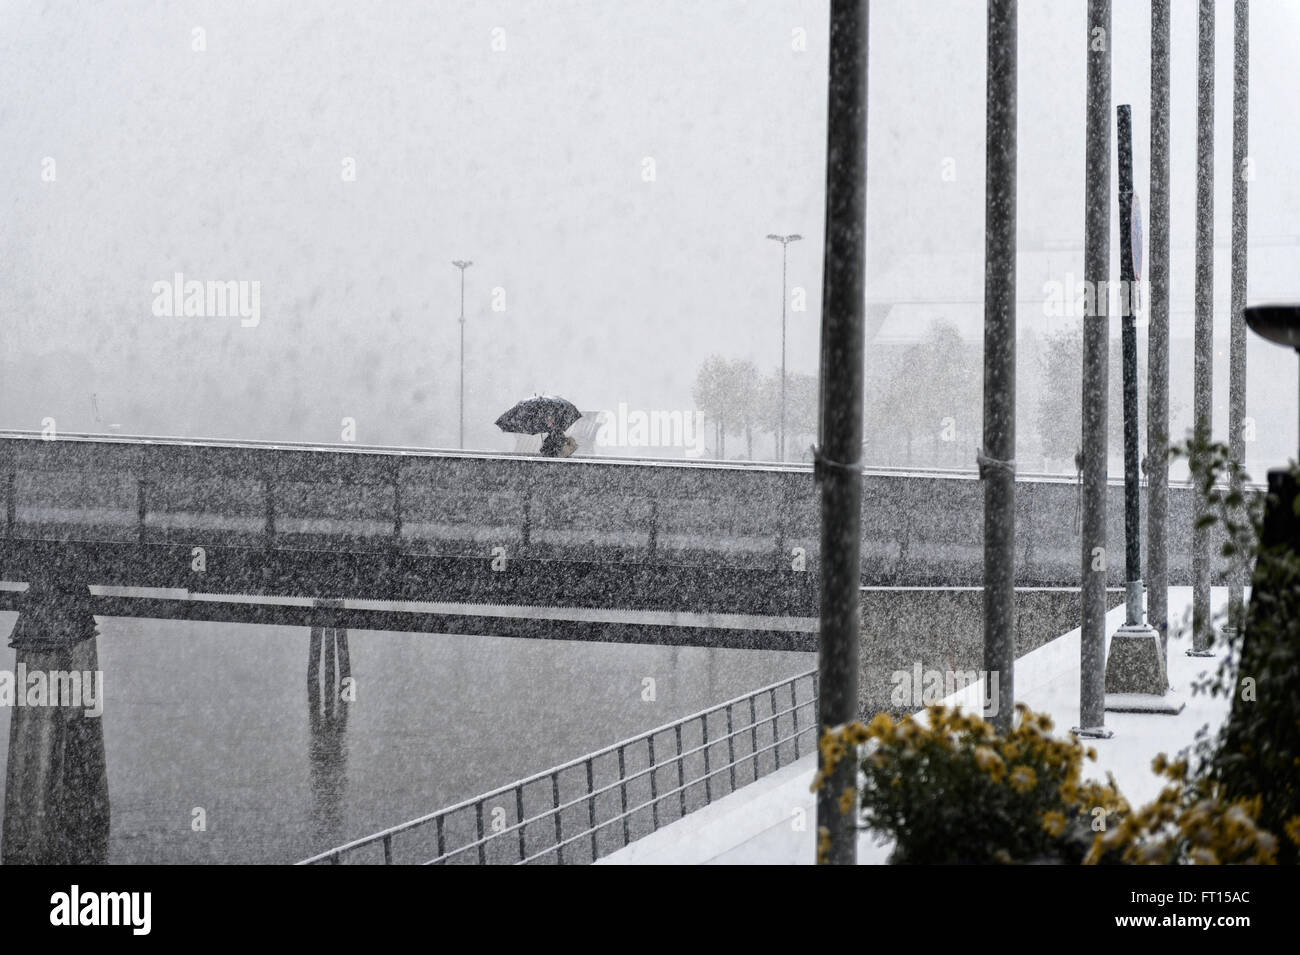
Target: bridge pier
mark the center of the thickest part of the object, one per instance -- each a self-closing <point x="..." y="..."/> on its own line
<point x="56" y="783"/>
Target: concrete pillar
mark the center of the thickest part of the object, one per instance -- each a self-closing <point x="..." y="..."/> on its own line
<point x="56" y="808"/>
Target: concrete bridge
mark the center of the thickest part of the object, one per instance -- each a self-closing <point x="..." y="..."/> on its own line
<point x="264" y="525"/>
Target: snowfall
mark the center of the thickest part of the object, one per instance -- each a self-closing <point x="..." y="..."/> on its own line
<point x="770" y="822"/>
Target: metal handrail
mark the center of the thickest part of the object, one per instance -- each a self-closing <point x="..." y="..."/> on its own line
<point x="649" y="770"/>
<point x="654" y="800"/>
<point x="593" y="792"/>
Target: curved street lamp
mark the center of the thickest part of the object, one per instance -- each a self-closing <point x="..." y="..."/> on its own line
<point x="1279" y="324"/>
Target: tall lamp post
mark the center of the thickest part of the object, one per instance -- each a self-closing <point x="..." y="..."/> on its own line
<point x="785" y="241"/>
<point x="462" y="265"/>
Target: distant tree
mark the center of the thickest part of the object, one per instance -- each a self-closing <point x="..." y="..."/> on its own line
<point x="927" y="389"/>
<point x="714" y="395"/>
<point x="801" y="405"/>
<point x="742" y="384"/>
<point x="1060" y="398"/>
<point x="1059" y="401"/>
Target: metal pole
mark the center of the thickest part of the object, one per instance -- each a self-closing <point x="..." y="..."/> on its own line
<point x="838" y="463"/>
<point x="462" y="359"/>
<point x="785" y="244"/>
<point x="462" y="265"/>
<point x="997" y="467"/>
<point x="1096" y="332"/>
<point x="1158" y="334"/>
<point x="1237" y="342"/>
<point x="1132" y="507"/>
<point x="1204" y="330"/>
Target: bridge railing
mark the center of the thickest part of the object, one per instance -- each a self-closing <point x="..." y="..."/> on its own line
<point x="593" y="805"/>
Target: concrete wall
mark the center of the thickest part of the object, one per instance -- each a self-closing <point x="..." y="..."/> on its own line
<point x="943" y="630"/>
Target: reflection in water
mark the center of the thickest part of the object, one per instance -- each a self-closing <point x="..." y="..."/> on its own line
<point x="56" y="788"/>
<point x="211" y="714"/>
<point x="329" y="693"/>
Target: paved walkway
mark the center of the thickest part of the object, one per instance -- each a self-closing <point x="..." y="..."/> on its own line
<point x="773" y="821"/>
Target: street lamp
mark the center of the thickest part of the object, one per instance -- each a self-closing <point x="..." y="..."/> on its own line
<point x="1279" y="324"/>
<point x="785" y="241"/>
<point x="462" y="265"/>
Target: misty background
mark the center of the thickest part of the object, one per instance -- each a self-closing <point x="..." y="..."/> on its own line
<point x="612" y="170"/>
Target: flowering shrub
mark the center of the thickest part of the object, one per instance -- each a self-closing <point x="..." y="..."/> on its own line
<point x="1192" y="821"/>
<point x="951" y="790"/>
<point x="1257" y="750"/>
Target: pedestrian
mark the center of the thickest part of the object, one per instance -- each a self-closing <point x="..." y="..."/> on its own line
<point x="557" y="444"/>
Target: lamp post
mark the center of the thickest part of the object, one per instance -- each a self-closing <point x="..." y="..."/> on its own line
<point x="785" y="241"/>
<point x="462" y="264"/>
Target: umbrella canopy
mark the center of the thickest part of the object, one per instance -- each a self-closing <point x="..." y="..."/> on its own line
<point x="538" y="415"/>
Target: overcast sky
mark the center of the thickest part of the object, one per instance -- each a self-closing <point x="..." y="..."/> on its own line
<point x="227" y="164"/>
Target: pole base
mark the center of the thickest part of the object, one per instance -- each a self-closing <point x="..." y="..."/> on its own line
<point x="1092" y="732"/>
<point x="1200" y="653"/>
<point x="1135" y="663"/>
<point x="1169" y="704"/>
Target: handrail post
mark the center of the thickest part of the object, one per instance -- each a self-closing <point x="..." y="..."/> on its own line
<point x="731" y="747"/>
<point x="681" y="771"/>
<point x="555" y="802"/>
<point x="776" y="731"/>
<point x="708" y="770"/>
<point x="654" y="788"/>
<point x="591" y="808"/>
<point x="622" y="787"/>
<point x="794" y="712"/>
<point x="519" y="816"/>
<point x="478" y="817"/>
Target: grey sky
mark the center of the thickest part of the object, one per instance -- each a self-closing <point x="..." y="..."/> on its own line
<point x="226" y="164"/>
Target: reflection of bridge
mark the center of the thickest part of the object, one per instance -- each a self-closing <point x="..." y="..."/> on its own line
<point x="293" y="521"/>
<point x="56" y="807"/>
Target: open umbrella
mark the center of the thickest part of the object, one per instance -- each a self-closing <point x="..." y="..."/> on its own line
<point x="538" y="415"/>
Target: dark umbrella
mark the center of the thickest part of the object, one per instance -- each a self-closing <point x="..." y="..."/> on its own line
<point x="538" y="415"/>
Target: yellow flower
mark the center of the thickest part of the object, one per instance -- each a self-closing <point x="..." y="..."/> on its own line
<point x="881" y="725"/>
<point x="1053" y="823"/>
<point x="847" y="799"/>
<point x="855" y="733"/>
<point x="1023" y="779"/>
<point x="1292" y="829"/>
<point x="990" y="762"/>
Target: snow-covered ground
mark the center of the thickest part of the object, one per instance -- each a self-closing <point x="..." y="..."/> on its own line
<point x="772" y="821"/>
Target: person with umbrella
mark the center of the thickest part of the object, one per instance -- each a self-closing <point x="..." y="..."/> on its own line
<point x="544" y="414"/>
<point x="557" y="444"/>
